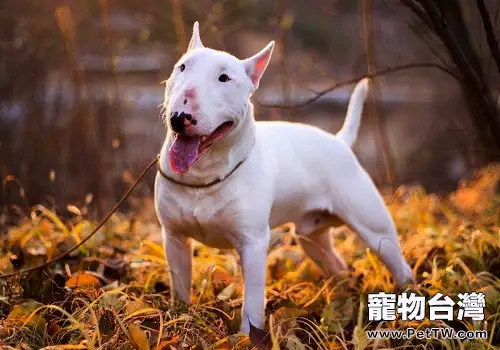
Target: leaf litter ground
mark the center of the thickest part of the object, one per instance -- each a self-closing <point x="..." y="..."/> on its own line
<point x="114" y="293"/>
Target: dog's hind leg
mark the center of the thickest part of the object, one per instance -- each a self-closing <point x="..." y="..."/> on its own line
<point x="361" y="207"/>
<point x="179" y="257"/>
<point x="318" y="245"/>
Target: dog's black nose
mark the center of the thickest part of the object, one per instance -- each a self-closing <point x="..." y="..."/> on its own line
<point x="180" y="120"/>
<point x="177" y="122"/>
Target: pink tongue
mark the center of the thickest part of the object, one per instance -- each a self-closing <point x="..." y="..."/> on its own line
<point x="183" y="152"/>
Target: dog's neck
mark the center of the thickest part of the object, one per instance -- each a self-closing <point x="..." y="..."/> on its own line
<point x="220" y="159"/>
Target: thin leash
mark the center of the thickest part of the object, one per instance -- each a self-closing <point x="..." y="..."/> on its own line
<point x="98" y="227"/>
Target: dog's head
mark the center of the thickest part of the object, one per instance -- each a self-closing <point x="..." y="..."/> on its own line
<point x="207" y="97"/>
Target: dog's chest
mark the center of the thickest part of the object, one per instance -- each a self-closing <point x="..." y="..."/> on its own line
<point x="201" y="216"/>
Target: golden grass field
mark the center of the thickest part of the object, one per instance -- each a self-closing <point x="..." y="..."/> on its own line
<point x="113" y="293"/>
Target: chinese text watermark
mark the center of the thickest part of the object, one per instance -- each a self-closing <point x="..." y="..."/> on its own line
<point x="411" y="307"/>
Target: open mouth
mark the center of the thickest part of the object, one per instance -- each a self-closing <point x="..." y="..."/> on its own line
<point x="186" y="150"/>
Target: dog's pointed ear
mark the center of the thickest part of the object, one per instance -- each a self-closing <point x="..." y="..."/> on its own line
<point x="257" y="64"/>
<point x="195" y="42"/>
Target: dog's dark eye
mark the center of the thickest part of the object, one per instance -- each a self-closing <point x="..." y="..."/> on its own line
<point x="182" y="67"/>
<point x="224" y="78"/>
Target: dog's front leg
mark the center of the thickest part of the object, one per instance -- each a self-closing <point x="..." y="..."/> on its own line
<point x="179" y="258"/>
<point x="253" y="256"/>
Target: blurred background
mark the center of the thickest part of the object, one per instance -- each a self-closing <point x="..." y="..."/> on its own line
<point x="80" y="86"/>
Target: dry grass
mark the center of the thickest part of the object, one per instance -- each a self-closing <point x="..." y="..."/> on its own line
<point x="114" y="293"/>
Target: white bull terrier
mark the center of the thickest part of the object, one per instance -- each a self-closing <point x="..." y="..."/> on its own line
<point x="225" y="179"/>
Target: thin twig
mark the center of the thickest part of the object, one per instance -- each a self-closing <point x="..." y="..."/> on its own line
<point x="419" y="11"/>
<point x="381" y="129"/>
<point x="450" y="26"/>
<point x="179" y="24"/>
<point x="490" y="33"/>
<point x="374" y="74"/>
<point x="67" y="29"/>
<point x="420" y="34"/>
<point x="285" y="86"/>
<point x="106" y="32"/>
<point x="497" y="12"/>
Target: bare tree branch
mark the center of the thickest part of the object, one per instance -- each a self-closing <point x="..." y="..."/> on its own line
<point x="497" y="12"/>
<point x="67" y="28"/>
<point x="449" y="24"/>
<point x="355" y="80"/>
<point x="179" y="25"/>
<point x="420" y="34"/>
<point x="490" y="33"/>
<point x="418" y="10"/>
<point x="381" y="134"/>
<point x="107" y="40"/>
<point x="282" y="48"/>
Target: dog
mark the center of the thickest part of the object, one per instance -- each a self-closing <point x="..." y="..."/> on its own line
<point x="225" y="179"/>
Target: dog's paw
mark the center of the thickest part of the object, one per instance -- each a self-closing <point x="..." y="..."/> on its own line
<point x="260" y="338"/>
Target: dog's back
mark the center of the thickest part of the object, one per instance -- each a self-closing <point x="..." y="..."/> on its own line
<point x="302" y="159"/>
<point x="312" y="142"/>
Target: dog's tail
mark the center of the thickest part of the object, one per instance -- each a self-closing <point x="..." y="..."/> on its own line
<point x="350" y="129"/>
